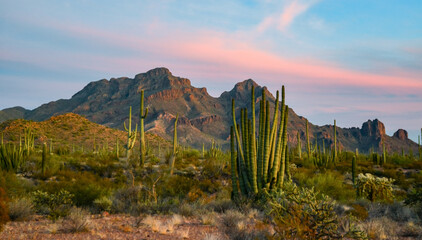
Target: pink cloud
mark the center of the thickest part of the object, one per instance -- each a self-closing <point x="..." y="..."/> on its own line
<point x="291" y="11"/>
<point x="221" y="55"/>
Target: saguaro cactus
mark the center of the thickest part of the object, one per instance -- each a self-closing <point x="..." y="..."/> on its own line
<point x="173" y="156"/>
<point x="260" y="164"/>
<point x="43" y="158"/>
<point x="142" y="117"/>
<point x="354" y="170"/>
<point x="131" y="135"/>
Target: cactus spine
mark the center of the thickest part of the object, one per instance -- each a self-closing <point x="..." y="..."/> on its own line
<point x="260" y="163"/>
<point x="173" y="157"/>
<point x="131" y="135"/>
<point x="142" y="117"/>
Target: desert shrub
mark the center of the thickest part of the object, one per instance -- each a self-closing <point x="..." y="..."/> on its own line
<point x="128" y="200"/>
<point x="85" y="187"/>
<point x="56" y="204"/>
<point x="236" y="225"/>
<point x="380" y="228"/>
<point x="414" y="199"/>
<point x="176" y="186"/>
<point x="303" y="213"/>
<point x="4" y="216"/>
<point x="329" y="183"/>
<point x="103" y="203"/>
<point x="374" y="188"/>
<point x="396" y="211"/>
<point x="220" y="205"/>
<point x="20" y="209"/>
<point x="14" y="186"/>
<point x="188" y="209"/>
<point x="209" y="185"/>
<point x="359" y="211"/>
<point x="76" y="221"/>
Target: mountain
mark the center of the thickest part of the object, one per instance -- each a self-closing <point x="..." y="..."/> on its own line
<point x="12" y="113"/>
<point x="202" y="117"/>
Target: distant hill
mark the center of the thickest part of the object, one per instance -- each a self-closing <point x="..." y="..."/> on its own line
<point x="12" y="113"/>
<point x="202" y="117"/>
<point x="70" y="131"/>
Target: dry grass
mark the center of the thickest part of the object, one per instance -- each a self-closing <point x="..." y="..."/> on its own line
<point x="76" y="221"/>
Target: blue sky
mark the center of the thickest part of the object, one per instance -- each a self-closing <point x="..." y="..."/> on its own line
<point x="345" y="60"/>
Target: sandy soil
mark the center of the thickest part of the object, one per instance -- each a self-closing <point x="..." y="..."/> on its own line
<point x="110" y="227"/>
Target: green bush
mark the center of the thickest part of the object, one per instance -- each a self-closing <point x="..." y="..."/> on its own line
<point x="85" y="187"/>
<point x="303" y="213"/>
<point x="57" y="204"/>
<point x="329" y="183"/>
<point x="103" y="204"/>
<point x="176" y="186"/>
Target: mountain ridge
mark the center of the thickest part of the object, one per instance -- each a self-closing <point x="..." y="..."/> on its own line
<point x="202" y="117"/>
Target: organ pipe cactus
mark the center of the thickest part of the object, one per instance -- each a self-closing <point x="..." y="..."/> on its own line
<point x="142" y="116"/>
<point x="335" y="142"/>
<point x="173" y="156"/>
<point x="258" y="163"/>
<point x="308" y="145"/>
<point x="299" y="146"/>
<point x="131" y="135"/>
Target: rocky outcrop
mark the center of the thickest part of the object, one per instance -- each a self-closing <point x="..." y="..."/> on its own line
<point x="401" y="134"/>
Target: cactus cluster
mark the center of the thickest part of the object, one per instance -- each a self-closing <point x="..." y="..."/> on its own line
<point x="142" y="116"/>
<point x="258" y="164"/>
<point x="175" y="146"/>
<point x="131" y="135"/>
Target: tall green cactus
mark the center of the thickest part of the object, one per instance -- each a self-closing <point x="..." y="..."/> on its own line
<point x="233" y="165"/>
<point x="43" y="158"/>
<point x="260" y="163"/>
<point x="142" y="117"/>
<point x="308" y="145"/>
<point x="117" y="148"/>
<point x="354" y="170"/>
<point x="131" y="135"/>
<point x="335" y="142"/>
<point x="384" y="155"/>
<point x="173" y="156"/>
<point x="299" y="146"/>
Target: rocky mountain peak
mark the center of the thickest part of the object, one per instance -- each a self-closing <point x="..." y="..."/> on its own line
<point x="401" y="134"/>
<point x="161" y="78"/>
<point x="373" y="128"/>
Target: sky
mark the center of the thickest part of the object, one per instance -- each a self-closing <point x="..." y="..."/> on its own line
<point x="349" y="60"/>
